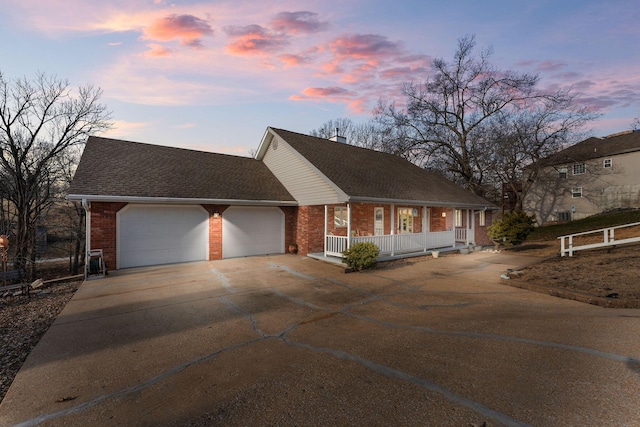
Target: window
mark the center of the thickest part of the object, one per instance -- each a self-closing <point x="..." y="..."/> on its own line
<point x="564" y="216"/>
<point x="458" y="218"/>
<point x="576" y="192"/>
<point x="579" y="169"/>
<point x="405" y="220"/>
<point x="378" y="221"/>
<point x="562" y="173"/>
<point x="482" y="218"/>
<point x="340" y="216"/>
<point x="607" y="163"/>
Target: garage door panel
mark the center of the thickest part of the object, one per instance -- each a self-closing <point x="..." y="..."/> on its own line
<point x="250" y="231"/>
<point x="153" y="235"/>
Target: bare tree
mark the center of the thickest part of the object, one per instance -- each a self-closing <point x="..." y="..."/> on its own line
<point x="368" y="134"/>
<point x="477" y="124"/>
<point x="636" y="123"/>
<point x="522" y="136"/>
<point x="40" y="120"/>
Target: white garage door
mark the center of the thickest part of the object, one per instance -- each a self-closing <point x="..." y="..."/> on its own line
<point x="152" y="235"/>
<point x="252" y="231"/>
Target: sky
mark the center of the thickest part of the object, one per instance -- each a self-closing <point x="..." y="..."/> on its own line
<point x="213" y="75"/>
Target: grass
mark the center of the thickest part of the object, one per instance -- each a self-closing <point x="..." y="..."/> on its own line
<point x="595" y="222"/>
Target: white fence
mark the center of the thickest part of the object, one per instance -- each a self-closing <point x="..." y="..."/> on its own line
<point x="461" y="235"/>
<point x="608" y="235"/>
<point x="392" y="244"/>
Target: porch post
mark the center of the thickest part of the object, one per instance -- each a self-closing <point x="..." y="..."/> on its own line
<point x="348" y="225"/>
<point x="466" y="231"/>
<point x="424" y="226"/>
<point x="326" y="229"/>
<point x="392" y="228"/>
<point x="473" y="226"/>
<point x="454" y="217"/>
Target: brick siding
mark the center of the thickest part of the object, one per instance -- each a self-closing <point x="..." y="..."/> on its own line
<point x="103" y="230"/>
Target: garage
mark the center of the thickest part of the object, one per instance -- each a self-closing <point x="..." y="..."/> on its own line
<point x="154" y="235"/>
<point x="250" y="231"/>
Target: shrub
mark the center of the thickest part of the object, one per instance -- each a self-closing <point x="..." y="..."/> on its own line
<point x="512" y="229"/>
<point x="361" y="255"/>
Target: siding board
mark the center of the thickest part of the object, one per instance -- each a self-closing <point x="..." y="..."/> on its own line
<point x="304" y="183"/>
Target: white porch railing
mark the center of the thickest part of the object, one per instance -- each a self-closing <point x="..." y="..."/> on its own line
<point x="392" y="244"/>
<point x="608" y="235"/>
<point x="461" y="234"/>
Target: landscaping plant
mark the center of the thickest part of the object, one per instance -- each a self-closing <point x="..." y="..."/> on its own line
<point x="512" y="229"/>
<point x="361" y="255"/>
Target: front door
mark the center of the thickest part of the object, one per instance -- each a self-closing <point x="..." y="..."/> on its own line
<point x="378" y="221"/>
<point x="405" y="220"/>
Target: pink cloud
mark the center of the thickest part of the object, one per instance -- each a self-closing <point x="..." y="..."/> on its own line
<point x="405" y="73"/>
<point x="253" y="39"/>
<point x="186" y="28"/>
<point x="291" y="60"/>
<point x="157" y="50"/>
<point x="326" y="92"/>
<point x="551" y="65"/>
<point x="298" y="23"/>
<point x="370" y="47"/>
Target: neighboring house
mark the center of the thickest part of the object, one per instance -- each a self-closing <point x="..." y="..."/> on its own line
<point x="149" y="205"/>
<point x="592" y="176"/>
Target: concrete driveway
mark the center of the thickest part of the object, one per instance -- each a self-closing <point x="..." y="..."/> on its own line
<point x="287" y="340"/>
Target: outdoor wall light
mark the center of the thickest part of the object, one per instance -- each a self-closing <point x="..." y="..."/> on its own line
<point x="444" y="214"/>
<point x="216" y="215"/>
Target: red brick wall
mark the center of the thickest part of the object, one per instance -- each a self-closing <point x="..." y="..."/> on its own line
<point x="103" y="230"/>
<point x="308" y="229"/>
<point x="289" y="225"/>
<point x="481" y="236"/>
<point x="215" y="230"/>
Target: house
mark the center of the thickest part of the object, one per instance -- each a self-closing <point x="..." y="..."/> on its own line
<point x="149" y="204"/>
<point x="592" y="176"/>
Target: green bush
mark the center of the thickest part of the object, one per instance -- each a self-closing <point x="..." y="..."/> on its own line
<point x="512" y="229"/>
<point x="361" y="255"/>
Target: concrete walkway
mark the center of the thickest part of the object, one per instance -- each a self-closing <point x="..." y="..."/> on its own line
<point x="288" y="340"/>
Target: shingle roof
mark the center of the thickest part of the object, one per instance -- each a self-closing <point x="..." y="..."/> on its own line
<point x="363" y="173"/>
<point x="593" y="148"/>
<point x="111" y="167"/>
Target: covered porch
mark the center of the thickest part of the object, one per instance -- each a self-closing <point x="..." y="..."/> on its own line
<point x="406" y="230"/>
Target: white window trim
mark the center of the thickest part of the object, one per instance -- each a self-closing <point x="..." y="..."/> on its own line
<point x="459" y="220"/>
<point x="340" y="216"/>
<point x="581" y="166"/>
<point x="482" y="218"/>
<point x="576" y="192"/>
<point x="607" y="163"/>
<point x="563" y="172"/>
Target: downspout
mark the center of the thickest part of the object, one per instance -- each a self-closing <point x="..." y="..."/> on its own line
<point x="86" y="205"/>
<point x="326" y="229"/>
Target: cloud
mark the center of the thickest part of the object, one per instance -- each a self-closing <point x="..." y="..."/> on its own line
<point x="123" y="129"/>
<point x="291" y="60"/>
<point x="253" y="40"/>
<point x="327" y="92"/>
<point x="370" y="47"/>
<point x="188" y="29"/>
<point x="303" y="22"/>
<point x="114" y="44"/>
<point x="157" y="50"/>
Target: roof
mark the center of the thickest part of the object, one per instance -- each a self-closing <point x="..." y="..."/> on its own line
<point x="593" y="148"/>
<point x="365" y="174"/>
<point x="124" y="169"/>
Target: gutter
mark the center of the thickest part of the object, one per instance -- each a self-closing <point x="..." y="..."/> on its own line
<point x="177" y="201"/>
<point x="421" y="202"/>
